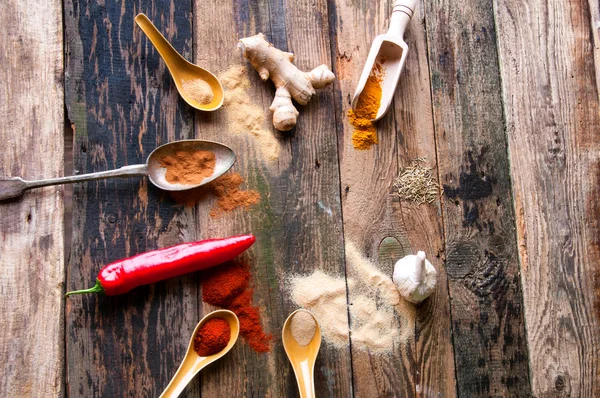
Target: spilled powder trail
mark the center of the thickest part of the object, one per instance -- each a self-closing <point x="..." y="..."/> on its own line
<point x="245" y="116"/>
<point x="380" y="318"/>
<point x="228" y="191"/>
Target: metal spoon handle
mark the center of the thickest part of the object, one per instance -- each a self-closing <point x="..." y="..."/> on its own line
<point x="164" y="48"/>
<point x="126" y="171"/>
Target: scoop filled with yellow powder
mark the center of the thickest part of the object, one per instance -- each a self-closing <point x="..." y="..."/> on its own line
<point x="367" y="106"/>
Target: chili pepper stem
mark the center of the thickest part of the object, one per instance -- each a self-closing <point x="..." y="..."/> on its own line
<point x="97" y="288"/>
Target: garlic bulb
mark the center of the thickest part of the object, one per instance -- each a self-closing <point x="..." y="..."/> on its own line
<point x="415" y="277"/>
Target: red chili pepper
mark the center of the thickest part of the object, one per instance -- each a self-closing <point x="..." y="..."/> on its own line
<point x="123" y="275"/>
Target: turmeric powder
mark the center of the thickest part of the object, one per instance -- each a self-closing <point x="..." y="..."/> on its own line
<point x="365" y="131"/>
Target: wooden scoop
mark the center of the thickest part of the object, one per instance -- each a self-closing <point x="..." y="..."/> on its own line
<point x="193" y="363"/>
<point x="301" y="357"/>
<point x="388" y="50"/>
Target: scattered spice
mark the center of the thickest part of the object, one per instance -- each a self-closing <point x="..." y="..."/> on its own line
<point x="367" y="106"/>
<point x="188" y="167"/>
<point x="229" y="287"/>
<point x="212" y="337"/>
<point x="416" y="183"/>
<point x="303" y="327"/>
<point x="227" y="190"/>
<point x="230" y="196"/>
<point x="380" y="319"/>
<point x="244" y="116"/>
<point x="199" y="90"/>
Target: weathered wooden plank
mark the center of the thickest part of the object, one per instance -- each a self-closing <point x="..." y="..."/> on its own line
<point x="122" y="104"/>
<point x="553" y="123"/>
<point x="481" y="250"/>
<point x="374" y="215"/>
<point x="595" y="29"/>
<point x="294" y="233"/>
<point x="31" y="227"/>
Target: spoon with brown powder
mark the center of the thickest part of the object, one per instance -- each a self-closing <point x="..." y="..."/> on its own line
<point x="175" y="166"/>
<point x="301" y="337"/>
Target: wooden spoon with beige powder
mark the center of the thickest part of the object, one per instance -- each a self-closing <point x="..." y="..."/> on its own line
<point x="301" y="338"/>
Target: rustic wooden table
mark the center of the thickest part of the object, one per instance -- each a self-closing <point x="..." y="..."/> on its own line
<point x="500" y="97"/>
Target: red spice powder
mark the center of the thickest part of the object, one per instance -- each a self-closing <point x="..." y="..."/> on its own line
<point x="228" y="287"/>
<point x="212" y="337"/>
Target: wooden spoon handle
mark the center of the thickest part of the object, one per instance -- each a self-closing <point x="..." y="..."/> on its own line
<point x="164" y="48"/>
<point x="401" y="15"/>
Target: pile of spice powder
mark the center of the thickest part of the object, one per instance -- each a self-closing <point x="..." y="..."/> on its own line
<point x="230" y="196"/>
<point x="227" y="190"/>
<point x="228" y="286"/>
<point x="245" y="116"/>
<point x="367" y="106"/>
<point x="188" y="167"/>
<point x="303" y="327"/>
<point x="212" y="337"/>
<point x="381" y="320"/>
<point x="199" y="90"/>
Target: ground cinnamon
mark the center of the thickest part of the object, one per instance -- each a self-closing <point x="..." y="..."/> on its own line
<point x="230" y="196"/>
<point x="367" y="106"/>
<point x="188" y="167"/>
<point x="227" y="190"/>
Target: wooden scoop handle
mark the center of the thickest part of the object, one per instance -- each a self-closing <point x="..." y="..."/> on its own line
<point x="401" y="15"/>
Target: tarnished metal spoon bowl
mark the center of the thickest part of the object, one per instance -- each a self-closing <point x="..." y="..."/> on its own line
<point x="13" y="187"/>
<point x="225" y="158"/>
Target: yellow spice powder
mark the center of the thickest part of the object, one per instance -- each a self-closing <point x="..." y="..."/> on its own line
<point x="365" y="131"/>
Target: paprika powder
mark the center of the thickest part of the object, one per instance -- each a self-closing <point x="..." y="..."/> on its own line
<point x="229" y="287"/>
<point x="213" y="337"/>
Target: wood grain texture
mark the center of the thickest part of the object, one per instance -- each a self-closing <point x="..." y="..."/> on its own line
<point x="595" y="32"/>
<point x="31" y="240"/>
<point x="375" y="219"/>
<point x="122" y="103"/>
<point x="481" y="248"/>
<point x="553" y="123"/>
<point x="298" y="222"/>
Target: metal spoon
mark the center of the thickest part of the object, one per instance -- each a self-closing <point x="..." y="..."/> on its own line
<point x="301" y="357"/>
<point x="225" y="158"/>
<point x="193" y="363"/>
<point x="180" y="68"/>
<point x="390" y="51"/>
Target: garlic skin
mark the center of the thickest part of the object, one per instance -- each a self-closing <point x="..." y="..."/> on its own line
<point x="415" y="277"/>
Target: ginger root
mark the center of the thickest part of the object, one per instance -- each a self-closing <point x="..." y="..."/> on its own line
<point x="290" y="82"/>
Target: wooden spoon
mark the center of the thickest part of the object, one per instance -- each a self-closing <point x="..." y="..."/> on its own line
<point x="193" y="363"/>
<point x="301" y="357"/>
<point x="182" y="70"/>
